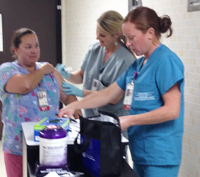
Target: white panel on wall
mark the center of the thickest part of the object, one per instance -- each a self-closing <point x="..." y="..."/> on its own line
<point x="1" y="34"/>
<point x="132" y="4"/>
<point x="193" y="5"/>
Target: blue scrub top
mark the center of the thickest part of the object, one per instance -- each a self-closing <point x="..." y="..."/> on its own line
<point x="158" y="144"/>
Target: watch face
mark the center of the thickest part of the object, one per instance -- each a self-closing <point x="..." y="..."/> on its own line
<point x="132" y="4"/>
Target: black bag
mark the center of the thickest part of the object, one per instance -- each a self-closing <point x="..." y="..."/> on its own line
<point x="101" y="147"/>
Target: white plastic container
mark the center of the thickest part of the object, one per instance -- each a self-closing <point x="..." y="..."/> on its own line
<point x="53" y="146"/>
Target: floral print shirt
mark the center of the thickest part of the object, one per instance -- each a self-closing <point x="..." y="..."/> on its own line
<point x="18" y="108"/>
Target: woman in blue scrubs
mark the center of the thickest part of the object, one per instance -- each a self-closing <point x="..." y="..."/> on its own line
<point x="154" y="87"/>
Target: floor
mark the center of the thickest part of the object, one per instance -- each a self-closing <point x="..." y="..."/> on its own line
<point x="2" y="166"/>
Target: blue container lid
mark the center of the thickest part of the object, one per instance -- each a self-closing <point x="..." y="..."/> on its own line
<point x="53" y="132"/>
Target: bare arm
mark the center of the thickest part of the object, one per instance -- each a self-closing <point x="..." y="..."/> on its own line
<point x="94" y="100"/>
<point x="23" y="84"/>
<point x="115" y="101"/>
<point x="65" y="99"/>
<point x="76" y="77"/>
<point x="169" y="111"/>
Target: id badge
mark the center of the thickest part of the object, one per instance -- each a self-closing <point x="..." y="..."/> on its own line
<point x="95" y="85"/>
<point x="42" y="100"/>
<point x="128" y="96"/>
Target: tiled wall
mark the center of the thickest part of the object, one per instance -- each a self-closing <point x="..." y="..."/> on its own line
<point x="79" y="24"/>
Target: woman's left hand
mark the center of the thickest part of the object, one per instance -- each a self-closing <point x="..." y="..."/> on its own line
<point x="124" y="122"/>
<point x="70" y="89"/>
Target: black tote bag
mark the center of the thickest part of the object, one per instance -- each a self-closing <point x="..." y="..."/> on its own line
<point x="101" y="147"/>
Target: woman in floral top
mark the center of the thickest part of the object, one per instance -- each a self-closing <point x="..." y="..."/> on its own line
<point x="21" y="83"/>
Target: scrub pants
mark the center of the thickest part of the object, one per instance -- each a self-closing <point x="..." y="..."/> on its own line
<point x="13" y="165"/>
<point x="156" y="171"/>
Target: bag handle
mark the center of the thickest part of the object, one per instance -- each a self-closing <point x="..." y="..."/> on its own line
<point x="78" y="148"/>
<point x="86" y="143"/>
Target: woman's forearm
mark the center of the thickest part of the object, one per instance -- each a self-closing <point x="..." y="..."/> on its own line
<point x="76" y="77"/>
<point x="100" y="98"/>
<point x="24" y="84"/>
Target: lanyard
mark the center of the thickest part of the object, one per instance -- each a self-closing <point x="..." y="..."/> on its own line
<point x="100" y="72"/>
<point x="134" y="77"/>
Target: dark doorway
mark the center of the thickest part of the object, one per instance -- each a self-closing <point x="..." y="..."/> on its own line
<point x="42" y="16"/>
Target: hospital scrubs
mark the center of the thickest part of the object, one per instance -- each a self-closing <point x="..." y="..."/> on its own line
<point x="157" y="144"/>
<point x="18" y="108"/>
<point x="93" y="66"/>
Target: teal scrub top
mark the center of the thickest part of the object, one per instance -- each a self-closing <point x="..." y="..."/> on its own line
<point x="93" y="66"/>
<point x="158" y="144"/>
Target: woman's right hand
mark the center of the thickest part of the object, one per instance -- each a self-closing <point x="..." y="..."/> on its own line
<point x="47" y="68"/>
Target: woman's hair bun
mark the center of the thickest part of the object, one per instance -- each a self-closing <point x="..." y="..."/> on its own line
<point x="165" y="25"/>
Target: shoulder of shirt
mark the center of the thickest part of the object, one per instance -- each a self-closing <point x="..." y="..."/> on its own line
<point x="123" y="56"/>
<point x="168" y="53"/>
<point x="6" y="64"/>
<point x="125" y="53"/>
<point x="94" y="46"/>
<point x="126" y="56"/>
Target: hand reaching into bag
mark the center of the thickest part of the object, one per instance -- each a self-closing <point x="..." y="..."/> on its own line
<point x="125" y="122"/>
<point x="61" y="69"/>
<point x="70" y="89"/>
